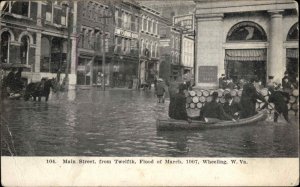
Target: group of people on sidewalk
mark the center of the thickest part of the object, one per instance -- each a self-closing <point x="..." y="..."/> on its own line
<point x="13" y="81"/>
<point x="231" y="110"/>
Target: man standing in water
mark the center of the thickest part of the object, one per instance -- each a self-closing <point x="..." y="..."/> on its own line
<point x="248" y="99"/>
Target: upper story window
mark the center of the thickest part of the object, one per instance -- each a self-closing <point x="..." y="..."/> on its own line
<point x="20" y="8"/>
<point x="246" y="31"/>
<point x="293" y="33"/>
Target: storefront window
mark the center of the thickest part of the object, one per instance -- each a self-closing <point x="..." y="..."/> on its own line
<point x="246" y="31"/>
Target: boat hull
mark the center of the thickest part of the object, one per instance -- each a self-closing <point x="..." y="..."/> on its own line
<point x="172" y="124"/>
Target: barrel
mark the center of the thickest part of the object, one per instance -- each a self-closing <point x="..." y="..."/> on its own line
<point x="186" y="93"/>
<point x="289" y="106"/>
<point x="237" y="99"/>
<point x="271" y="106"/>
<point x="295" y="106"/>
<point x="261" y="105"/>
<point x="192" y="105"/>
<point x="195" y="99"/>
<point x="205" y="93"/>
<point x="202" y="99"/>
<point x="222" y="100"/>
<point x="257" y="105"/>
<point x="199" y="105"/>
<point x="220" y="92"/>
<point x="209" y="99"/>
<point x="266" y="98"/>
<point x="264" y="91"/>
<point x="295" y="93"/>
<point x="188" y="99"/>
<point x="187" y="105"/>
<point x="192" y="93"/>
<point x="226" y="91"/>
<point x="233" y="92"/>
<point x="292" y="99"/>
<point x="199" y="93"/>
<point x="240" y="92"/>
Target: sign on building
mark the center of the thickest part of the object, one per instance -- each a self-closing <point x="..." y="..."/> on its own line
<point x="185" y="21"/>
<point x="208" y="74"/>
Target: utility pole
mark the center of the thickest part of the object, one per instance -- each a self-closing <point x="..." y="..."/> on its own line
<point x="66" y="79"/>
<point x="103" y="59"/>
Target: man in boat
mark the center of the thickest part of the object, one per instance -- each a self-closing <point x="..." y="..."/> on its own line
<point x="248" y="99"/>
<point x="177" y="107"/>
<point x="213" y="111"/>
<point x="231" y="107"/>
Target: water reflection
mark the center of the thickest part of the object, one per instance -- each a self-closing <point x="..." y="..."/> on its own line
<point x="123" y="123"/>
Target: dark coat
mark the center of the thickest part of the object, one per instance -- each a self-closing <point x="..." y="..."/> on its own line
<point x="214" y="110"/>
<point x="232" y="109"/>
<point x="248" y="100"/>
<point x="177" y="107"/>
<point x="160" y="89"/>
<point x="222" y="83"/>
<point x="280" y="100"/>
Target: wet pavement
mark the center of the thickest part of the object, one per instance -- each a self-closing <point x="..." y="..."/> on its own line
<point x="121" y="122"/>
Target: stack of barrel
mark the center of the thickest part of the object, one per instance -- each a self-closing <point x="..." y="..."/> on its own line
<point x="196" y="99"/>
<point x="292" y="104"/>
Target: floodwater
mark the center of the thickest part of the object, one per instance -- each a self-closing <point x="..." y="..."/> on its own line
<point x="122" y="123"/>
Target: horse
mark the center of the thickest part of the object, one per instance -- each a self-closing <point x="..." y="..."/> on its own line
<point x="39" y="89"/>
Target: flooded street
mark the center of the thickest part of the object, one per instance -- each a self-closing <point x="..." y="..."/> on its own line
<point x="122" y="123"/>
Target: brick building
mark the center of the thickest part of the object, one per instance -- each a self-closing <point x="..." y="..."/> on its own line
<point x="95" y="37"/>
<point x="149" y="44"/>
<point x="35" y="33"/>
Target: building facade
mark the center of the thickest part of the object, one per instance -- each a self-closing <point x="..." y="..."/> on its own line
<point x="35" y="33"/>
<point x="149" y="44"/>
<point x="170" y="49"/>
<point x="245" y="39"/>
<point x="95" y="37"/>
<point x="126" y="43"/>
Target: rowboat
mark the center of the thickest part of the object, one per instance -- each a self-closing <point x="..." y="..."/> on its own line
<point x="172" y="124"/>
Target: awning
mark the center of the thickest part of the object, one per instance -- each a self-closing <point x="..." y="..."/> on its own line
<point x="292" y="53"/>
<point x="246" y="54"/>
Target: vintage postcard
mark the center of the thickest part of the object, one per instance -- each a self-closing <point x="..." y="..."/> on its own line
<point x="149" y="93"/>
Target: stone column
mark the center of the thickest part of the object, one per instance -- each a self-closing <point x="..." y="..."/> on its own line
<point x="275" y="65"/>
<point x="209" y="48"/>
<point x="72" y="76"/>
<point x="38" y="39"/>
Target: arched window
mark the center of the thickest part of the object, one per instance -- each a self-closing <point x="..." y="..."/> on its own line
<point x="5" y="44"/>
<point x="24" y="49"/>
<point x="293" y="33"/>
<point x="246" y="31"/>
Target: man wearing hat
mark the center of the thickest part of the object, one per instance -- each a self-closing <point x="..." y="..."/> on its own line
<point x="270" y="83"/>
<point x="249" y="98"/>
<point x="177" y="107"/>
<point x="213" y="111"/>
<point x="231" y="107"/>
<point x="160" y="90"/>
<point x="222" y="82"/>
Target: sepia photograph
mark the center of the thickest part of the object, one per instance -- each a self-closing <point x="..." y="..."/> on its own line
<point x="149" y="79"/>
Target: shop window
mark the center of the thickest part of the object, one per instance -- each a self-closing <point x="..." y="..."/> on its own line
<point x="20" y="8"/>
<point x="5" y="42"/>
<point x="246" y="31"/>
<point x="293" y="33"/>
<point x="24" y="49"/>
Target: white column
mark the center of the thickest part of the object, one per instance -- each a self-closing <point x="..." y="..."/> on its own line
<point x="156" y="28"/>
<point x="142" y="23"/>
<point x="146" y="24"/>
<point x="209" y="47"/>
<point x="276" y="66"/>
<point x="37" y="64"/>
